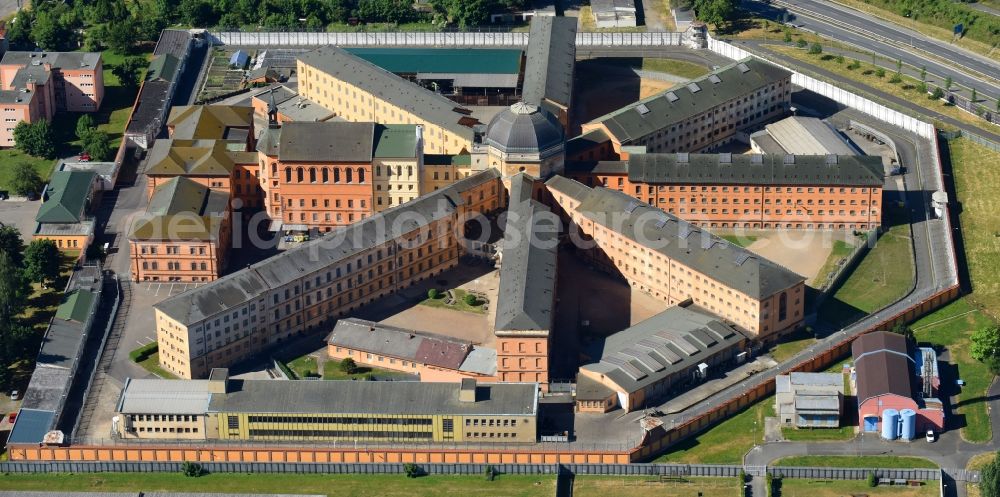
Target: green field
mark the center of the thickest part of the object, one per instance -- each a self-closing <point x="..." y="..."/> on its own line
<point x="841" y="488"/>
<point x="676" y="67"/>
<point x="884" y="276"/>
<point x="330" y="485"/>
<point x="740" y="240"/>
<point x="9" y="158"/>
<point x="604" y="486"/>
<point x="818" y="434"/>
<point x="148" y="357"/>
<point x="726" y="442"/>
<point x="951" y="327"/>
<point x="839" y="253"/>
<point x="791" y="345"/>
<point x="856" y="462"/>
<point x="331" y="371"/>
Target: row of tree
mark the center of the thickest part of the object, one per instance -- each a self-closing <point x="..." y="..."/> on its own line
<point x="19" y="266"/>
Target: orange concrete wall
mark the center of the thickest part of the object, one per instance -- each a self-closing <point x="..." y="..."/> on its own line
<point x="208" y="257"/>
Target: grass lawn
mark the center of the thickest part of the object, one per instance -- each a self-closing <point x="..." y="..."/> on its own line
<point x="304" y="366"/>
<point x="10" y="157"/>
<point x="884" y="276"/>
<point x="841" y="250"/>
<point x="856" y="462"/>
<point x="952" y="326"/>
<point x="676" y="67"/>
<point x="330" y="485"/>
<point x="740" y="240"/>
<point x="976" y="463"/>
<point x="726" y="442"/>
<point x="977" y="174"/>
<point x="906" y="89"/>
<point x="331" y="371"/>
<point x="840" y="488"/>
<point x="818" y="434"/>
<point x="791" y="345"/>
<point x="148" y="357"/>
<point x="602" y="486"/>
<point x="460" y="305"/>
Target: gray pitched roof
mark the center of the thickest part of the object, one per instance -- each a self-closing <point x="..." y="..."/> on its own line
<point x="729" y="264"/>
<point x="421" y="102"/>
<point x="525" y="129"/>
<point x="382" y="339"/>
<point x="661" y="346"/>
<point x="242" y="286"/>
<point x="741" y="169"/>
<point x="680" y="103"/>
<point x="373" y="397"/>
<point x="551" y="57"/>
<point x="331" y="141"/>
<point x="528" y="264"/>
<point x="62" y="60"/>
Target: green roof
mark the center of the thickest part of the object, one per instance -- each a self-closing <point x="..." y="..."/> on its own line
<point x="67" y="196"/>
<point x="76" y="306"/>
<point x="395" y="141"/>
<point x="442" y="60"/>
<point x="164" y="67"/>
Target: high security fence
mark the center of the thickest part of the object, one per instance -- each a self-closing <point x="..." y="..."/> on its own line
<point x="430" y="39"/>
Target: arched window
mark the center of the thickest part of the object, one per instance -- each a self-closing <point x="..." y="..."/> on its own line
<point x="399" y="170"/>
<point x="300" y="175"/>
<point x="326" y="175"/>
<point x="312" y="174"/>
<point x="378" y="170"/>
<point x="288" y="175"/>
<point x="782" y="306"/>
<point x="361" y="175"/>
<point x="336" y="175"/>
<point x="409" y="170"/>
<point x="348" y="175"/>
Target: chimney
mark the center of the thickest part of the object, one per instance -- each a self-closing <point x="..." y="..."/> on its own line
<point x="217" y="380"/>
<point x="467" y="393"/>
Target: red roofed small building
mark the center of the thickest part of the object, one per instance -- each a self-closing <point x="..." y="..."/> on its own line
<point x="884" y="379"/>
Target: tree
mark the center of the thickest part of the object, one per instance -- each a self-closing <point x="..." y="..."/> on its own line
<point x="801" y="43"/>
<point x="35" y="139"/>
<point x="192" y="469"/>
<point x="923" y="73"/>
<point x="54" y="27"/>
<point x="896" y="78"/>
<point x="491" y="473"/>
<point x="11" y="244"/>
<point x="396" y="11"/>
<point x="121" y="37"/>
<point x="411" y="470"/>
<point x="470" y="299"/>
<point x="26" y="180"/>
<point x="128" y="71"/>
<point x="14" y="289"/>
<point x="198" y="13"/>
<point x="721" y="13"/>
<point x="922" y="87"/>
<point x="788" y="36"/>
<point x="433" y="293"/>
<point x="906" y="331"/>
<point x="989" y="478"/>
<point x="938" y="93"/>
<point x="986" y="347"/>
<point x="41" y="261"/>
<point x="974" y="97"/>
<point x="872" y="479"/>
<point x="14" y="339"/>
<point x="880" y="73"/>
<point x="815" y="48"/>
<point x="947" y="83"/>
<point x="348" y="366"/>
<point x="98" y="145"/>
<point x="84" y="126"/>
<point x="19" y="29"/>
<point x="839" y="59"/>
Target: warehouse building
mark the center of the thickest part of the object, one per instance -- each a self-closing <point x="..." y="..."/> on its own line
<point x="221" y="408"/>
<point x="799" y="135"/>
<point x="640" y="366"/>
<point x="809" y="400"/>
<point x="431" y="357"/>
<point x="884" y="369"/>
<point x="749" y="191"/>
<point x="703" y="114"/>
<point x="672" y="260"/>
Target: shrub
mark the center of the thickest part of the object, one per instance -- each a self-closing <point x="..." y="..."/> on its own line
<point x="880" y="73"/>
<point x="470" y="299"/>
<point x="855" y="64"/>
<point x="192" y="469"/>
<point x="938" y="94"/>
<point x="896" y="78"/>
<point x="872" y="479"/>
<point x="815" y="48"/>
<point x="922" y="87"/>
<point x="433" y="293"/>
<point x="142" y="353"/>
<point x="412" y="470"/>
<point x="801" y="43"/>
<point x="788" y="36"/>
<point x="348" y="365"/>
<point x="839" y="59"/>
<point x="491" y="473"/>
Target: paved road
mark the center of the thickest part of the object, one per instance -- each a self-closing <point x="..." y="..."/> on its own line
<point x="983" y="8"/>
<point x="896" y="101"/>
<point x="867" y="32"/>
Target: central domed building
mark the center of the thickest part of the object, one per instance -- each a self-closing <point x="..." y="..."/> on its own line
<point x="525" y="138"/>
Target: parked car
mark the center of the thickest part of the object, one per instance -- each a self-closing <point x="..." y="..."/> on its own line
<point x="15" y="395"/>
<point x="930" y="436"/>
<point x="84" y="157"/>
<point x="11" y="417"/>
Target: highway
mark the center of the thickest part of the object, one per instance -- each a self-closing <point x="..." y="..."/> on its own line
<point x="873" y="34"/>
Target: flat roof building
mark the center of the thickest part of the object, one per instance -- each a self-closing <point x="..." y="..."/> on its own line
<point x="809" y="400"/>
<point x="614" y="13"/>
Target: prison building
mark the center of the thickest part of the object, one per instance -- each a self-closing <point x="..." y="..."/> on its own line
<point x="184" y="235"/>
<point x="290" y="105"/>
<point x="550" y="64"/>
<point x="799" y="135"/>
<point x="704" y="113"/>
<point x="221" y="408"/>
<point x="645" y="364"/>
<point x="357" y="90"/>
<point x="673" y="260"/>
<point x="66" y="214"/>
<point x="526" y="301"/>
<point x="809" y="400"/>
<point x="429" y="356"/>
<point x="241" y="314"/>
<point x="749" y="191"/>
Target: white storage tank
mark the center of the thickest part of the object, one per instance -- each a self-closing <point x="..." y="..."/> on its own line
<point x="890" y="424"/>
<point x="908" y="424"/>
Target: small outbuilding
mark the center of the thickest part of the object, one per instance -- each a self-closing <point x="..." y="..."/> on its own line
<point x="809" y="400"/>
<point x="239" y="59"/>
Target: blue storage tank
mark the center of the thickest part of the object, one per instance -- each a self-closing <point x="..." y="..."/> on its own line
<point x="908" y="424"/>
<point x="890" y="424"/>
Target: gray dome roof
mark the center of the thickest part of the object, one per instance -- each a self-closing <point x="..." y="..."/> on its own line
<point x="524" y="129"/>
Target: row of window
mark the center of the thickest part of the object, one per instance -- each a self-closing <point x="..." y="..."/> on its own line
<point x="164" y="417"/>
<point x="347" y="420"/>
<point x="392" y="435"/>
